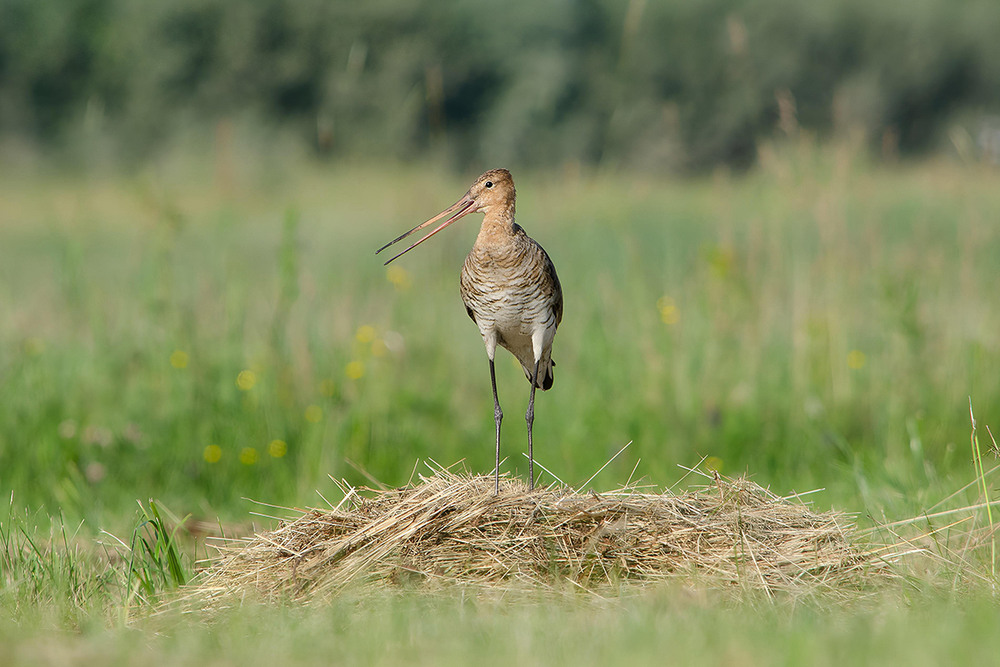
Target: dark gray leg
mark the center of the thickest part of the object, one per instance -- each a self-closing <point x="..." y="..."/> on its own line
<point x="497" y="416"/>
<point x="529" y="417"/>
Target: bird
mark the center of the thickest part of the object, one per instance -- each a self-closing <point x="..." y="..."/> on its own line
<point x="510" y="289"/>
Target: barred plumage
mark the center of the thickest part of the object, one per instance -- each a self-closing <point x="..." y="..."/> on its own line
<point x="511" y="291"/>
<point x="509" y="287"/>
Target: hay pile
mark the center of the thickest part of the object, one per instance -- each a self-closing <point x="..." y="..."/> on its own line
<point x="451" y="528"/>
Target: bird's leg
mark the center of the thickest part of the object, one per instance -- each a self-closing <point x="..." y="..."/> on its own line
<point x="529" y="417"/>
<point x="498" y="417"/>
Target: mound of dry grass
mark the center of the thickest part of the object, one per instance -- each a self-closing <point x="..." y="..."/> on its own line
<point x="451" y="528"/>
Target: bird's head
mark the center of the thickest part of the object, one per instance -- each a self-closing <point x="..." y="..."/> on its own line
<point x="493" y="191"/>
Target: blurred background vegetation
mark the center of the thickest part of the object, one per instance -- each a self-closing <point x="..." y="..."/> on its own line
<point x="665" y="84"/>
<point x="756" y="271"/>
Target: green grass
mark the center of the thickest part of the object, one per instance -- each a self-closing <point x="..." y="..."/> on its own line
<point x="663" y="626"/>
<point x="773" y="285"/>
<point x="818" y="322"/>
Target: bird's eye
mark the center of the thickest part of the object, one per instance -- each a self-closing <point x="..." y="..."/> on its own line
<point x="489" y="184"/>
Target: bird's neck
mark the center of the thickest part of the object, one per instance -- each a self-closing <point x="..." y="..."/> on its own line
<point x="498" y="226"/>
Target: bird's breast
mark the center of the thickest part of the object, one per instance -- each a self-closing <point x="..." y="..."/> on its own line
<point x="508" y="287"/>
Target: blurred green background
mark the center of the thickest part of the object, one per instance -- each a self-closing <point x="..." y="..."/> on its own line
<point x="643" y="84"/>
<point x="775" y="223"/>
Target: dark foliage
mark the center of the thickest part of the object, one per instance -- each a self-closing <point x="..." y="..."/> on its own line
<point x="657" y="83"/>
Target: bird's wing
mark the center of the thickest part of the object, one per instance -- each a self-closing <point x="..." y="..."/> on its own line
<point x="557" y="295"/>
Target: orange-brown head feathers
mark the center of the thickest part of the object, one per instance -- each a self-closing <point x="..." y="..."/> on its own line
<point x="492" y="194"/>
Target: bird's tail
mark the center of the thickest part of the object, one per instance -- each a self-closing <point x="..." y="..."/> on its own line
<point x="545" y="376"/>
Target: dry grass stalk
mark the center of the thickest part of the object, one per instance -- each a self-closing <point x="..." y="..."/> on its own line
<point x="450" y="528"/>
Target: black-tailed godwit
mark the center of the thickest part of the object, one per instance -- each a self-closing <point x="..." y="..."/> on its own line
<point x="510" y="289"/>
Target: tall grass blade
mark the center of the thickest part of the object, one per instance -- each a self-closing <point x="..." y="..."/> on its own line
<point x="977" y="459"/>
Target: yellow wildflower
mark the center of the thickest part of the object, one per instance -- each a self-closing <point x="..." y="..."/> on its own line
<point x="355" y="370"/>
<point x="179" y="359"/>
<point x="365" y="333"/>
<point x="212" y="453"/>
<point x="314" y="414"/>
<point x="669" y="312"/>
<point x="713" y="463"/>
<point x="277" y="448"/>
<point x="246" y="380"/>
<point x="399" y="278"/>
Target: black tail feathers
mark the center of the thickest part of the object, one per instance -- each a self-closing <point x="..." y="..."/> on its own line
<point x="545" y="375"/>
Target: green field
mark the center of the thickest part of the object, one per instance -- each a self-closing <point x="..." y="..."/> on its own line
<point x="208" y="332"/>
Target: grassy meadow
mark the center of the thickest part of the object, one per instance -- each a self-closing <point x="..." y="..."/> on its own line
<point x="212" y="333"/>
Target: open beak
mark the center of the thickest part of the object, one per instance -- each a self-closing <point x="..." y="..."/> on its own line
<point x="461" y="208"/>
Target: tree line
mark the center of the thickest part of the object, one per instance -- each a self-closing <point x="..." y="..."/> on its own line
<point x="662" y="84"/>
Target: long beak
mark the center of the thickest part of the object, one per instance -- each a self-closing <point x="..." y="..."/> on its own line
<point x="462" y="207"/>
